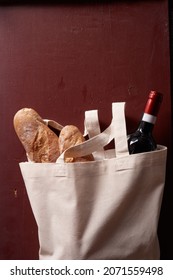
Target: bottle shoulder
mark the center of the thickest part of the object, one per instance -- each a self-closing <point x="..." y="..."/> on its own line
<point x="139" y="133"/>
<point x="139" y="142"/>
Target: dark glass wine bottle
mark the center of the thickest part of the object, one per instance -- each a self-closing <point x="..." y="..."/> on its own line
<point x="142" y="139"/>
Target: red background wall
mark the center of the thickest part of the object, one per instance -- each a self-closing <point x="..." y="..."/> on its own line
<point x="63" y="59"/>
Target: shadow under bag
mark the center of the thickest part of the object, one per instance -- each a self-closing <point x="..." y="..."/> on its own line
<point x="105" y="209"/>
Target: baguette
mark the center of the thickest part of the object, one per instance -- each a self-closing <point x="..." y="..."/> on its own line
<point x="70" y="136"/>
<point x="39" y="141"/>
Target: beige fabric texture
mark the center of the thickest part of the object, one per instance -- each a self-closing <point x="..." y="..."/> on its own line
<point x="105" y="209"/>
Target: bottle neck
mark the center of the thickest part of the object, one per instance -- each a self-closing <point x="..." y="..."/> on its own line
<point x="149" y="118"/>
<point x="146" y="127"/>
<point x="147" y="123"/>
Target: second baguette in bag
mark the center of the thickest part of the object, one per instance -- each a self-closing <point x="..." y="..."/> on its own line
<point x="70" y="136"/>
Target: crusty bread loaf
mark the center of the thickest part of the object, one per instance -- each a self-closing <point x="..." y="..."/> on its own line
<point x="70" y="136"/>
<point x="40" y="142"/>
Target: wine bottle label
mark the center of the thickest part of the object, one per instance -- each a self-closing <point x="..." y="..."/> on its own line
<point x="149" y="118"/>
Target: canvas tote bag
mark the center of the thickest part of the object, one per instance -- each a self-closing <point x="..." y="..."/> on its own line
<point x="105" y="209"/>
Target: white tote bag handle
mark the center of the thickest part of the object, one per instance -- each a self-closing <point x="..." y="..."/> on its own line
<point x="53" y="124"/>
<point x="119" y="124"/>
<point x="116" y="130"/>
<point x="92" y="128"/>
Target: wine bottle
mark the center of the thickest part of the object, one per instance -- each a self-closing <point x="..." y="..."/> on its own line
<point x="142" y="139"/>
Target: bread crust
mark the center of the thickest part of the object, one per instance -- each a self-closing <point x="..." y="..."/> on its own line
<point x="39" y="141"/>
<point x="70" y="136"/>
